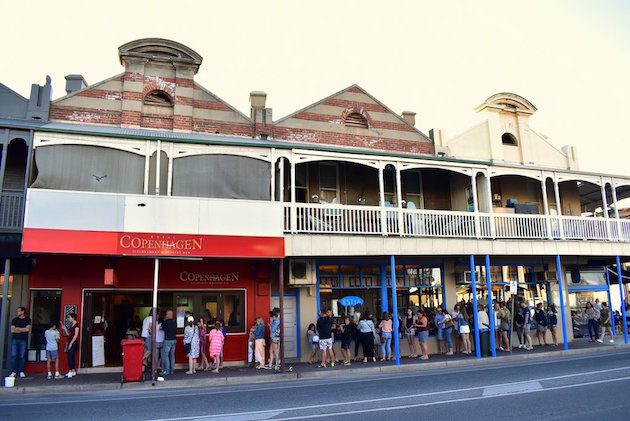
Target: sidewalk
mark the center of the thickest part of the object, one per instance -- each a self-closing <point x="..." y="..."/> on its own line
<point x="244" y="375"/>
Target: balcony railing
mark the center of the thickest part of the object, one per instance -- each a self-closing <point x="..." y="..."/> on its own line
<point x="11" y="210"/>
<point x="374" y="220"/>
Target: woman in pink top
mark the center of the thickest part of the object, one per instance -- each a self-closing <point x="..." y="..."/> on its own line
<point x="216" y="340"/>
<point x="386" y="337"/>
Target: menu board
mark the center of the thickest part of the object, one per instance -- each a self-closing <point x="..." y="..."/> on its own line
<point x="98" y="351"/>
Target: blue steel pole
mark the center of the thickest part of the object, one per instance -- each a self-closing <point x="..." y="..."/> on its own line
<point x="384" y="301"/>
<point x="392" y="266"/>
<point x="490" y="309"/>
<point x="473" y="278"/>
<point x="565" y="335"/>
<point x="623" y="301"/>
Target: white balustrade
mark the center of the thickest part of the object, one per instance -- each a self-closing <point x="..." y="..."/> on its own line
<point x="375" y="220"/>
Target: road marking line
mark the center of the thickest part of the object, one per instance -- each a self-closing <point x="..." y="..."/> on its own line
<point x="450" y="401"/>
<point x="392" y="398"/>
<point x="513" y="389"/>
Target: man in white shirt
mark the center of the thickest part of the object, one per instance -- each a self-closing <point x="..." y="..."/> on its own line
<point x="483" y="319"/>
<point x="146" y="334"/>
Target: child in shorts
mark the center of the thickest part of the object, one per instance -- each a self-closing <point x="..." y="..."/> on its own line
<point x="52" y="350"/>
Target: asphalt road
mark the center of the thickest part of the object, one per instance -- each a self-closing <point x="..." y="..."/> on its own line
<point x="591" y="387"/>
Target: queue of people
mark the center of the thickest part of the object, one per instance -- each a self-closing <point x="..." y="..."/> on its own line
<point x="257" y="343"/>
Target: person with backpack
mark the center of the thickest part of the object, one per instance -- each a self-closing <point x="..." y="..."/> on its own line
<point x="541" y="324"/>
<point x="593" y="316"/>
<point x="526" y="315"/>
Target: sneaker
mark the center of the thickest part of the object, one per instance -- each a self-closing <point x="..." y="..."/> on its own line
<point x="69" y="374"/>
<point x="501" y="348"/>
<point x="58" y="376"/>
<point x="49" y="376"/>
<point x="598" y="341"/>
<point x="321" y="366"/>
<point x="12" y="374"/>
<point x="22" y="375"/>
<point x="346" y="363"/>
<point x="332" y="363"/>
<point x="612" y="341"/>
<point x="520" y="346"/>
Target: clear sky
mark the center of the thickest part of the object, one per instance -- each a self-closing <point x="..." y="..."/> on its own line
<point x="570" y="58"/>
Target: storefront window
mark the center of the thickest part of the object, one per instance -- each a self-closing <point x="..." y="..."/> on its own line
<point x="45" y="309"/>
<point x="586" y="277"/>
<point x="328" y="276"/>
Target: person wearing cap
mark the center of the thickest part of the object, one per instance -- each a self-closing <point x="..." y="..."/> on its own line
<point x="191" y="344"/>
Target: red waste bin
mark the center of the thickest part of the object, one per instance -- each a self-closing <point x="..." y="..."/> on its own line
<point x="132" y="353"/>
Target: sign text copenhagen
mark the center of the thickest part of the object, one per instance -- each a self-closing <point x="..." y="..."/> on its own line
<point x="128" y="241"/>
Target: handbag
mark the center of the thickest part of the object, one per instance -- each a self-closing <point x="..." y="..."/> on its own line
<point x="187" y="348"/>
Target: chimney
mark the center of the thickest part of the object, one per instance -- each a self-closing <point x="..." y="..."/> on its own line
<point x="75" y="83"/>
<point x="572" y="160"/>
<point x="409" y="117"/>
<point x="257" y="100"/>
<point x="39" y="101"/>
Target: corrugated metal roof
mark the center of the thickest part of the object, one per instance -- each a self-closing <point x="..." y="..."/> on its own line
<point x="21" y="124"/>
<point x="218" y="139"/>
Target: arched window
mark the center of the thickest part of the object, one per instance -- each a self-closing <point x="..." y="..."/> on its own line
<point x="158" y="98"/>
<point x="508" y="139"/>
<point x="356" y="120"/>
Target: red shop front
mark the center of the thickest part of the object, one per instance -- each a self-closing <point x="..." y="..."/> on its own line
<point x="113" y="293"/>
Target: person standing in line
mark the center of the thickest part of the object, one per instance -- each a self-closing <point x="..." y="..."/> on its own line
<point x="347" y="335"/>
<point x="250" y="346"/>
<point x="386" y="337"/>
<point x="527" y="319"/>
<point x="422" y="327"/>
<point x="170" y="342"/>
<point x="496" y="311"/>
<point x="274" y="333"/>
<point x="552" y="318"/>
<point x="52" y="350"/>
<point x="367" y="333"/>
<point x="456" y="337"/>
<point x="146" y="335"/>
<point x="324" y="329"/>
<point x="597" y="305"/>
<point x="447" y="331"/>
<point x="437" y="320"/>
<point x="224" y="331"/>
<point x="410" y="331"/>
<point x="73" y="344"/>
<point x="541" y="324"/>
<point x="216" y="340"/>
<point x="357" y="339"/>
<point x="203" y="335"/>
<point x="606" y="325"/>
<point x="505" y="324"/>
<point x="191" y="344"/>
<point x="259" y="343"/>
<point x="593" y="316"/>
<point x="518" y="321"/>
<point x="20" y="328"/>
<point x="313" y="343"/>
<point x="464" y="331"/>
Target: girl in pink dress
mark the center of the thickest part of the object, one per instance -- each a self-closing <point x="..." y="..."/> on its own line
<point x="216" y="340"/>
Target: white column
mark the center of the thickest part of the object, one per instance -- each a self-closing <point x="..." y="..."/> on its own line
<point x="490" y="208"/>
<point x="543" y="185"/>
<point x="556" y="190"/>
<point x="605" y="208"/>
<point x="473" y="186"/>
<point x="169" y="180"/>
<point x="157" y="167"/>
<point x="281" y="175"/>
<point x="273" y="176"/>
<point x="147" y="164"/>
<point x="381" y="195"/>
<point x="293" y="208"/>
<point x="617" y="219"/>
<point x="401" y="230"/>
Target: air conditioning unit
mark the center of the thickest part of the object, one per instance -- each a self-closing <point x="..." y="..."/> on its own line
<point x="302" y="272"/>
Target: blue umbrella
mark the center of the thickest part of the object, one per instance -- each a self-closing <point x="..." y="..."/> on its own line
<point x="351" y="301"/>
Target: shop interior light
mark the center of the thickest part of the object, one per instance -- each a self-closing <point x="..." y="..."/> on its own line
<point x="412" y="290"/>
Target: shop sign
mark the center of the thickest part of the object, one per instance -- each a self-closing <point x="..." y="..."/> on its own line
<point x="159" y="244"/>
<point x="212" y="278"/>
